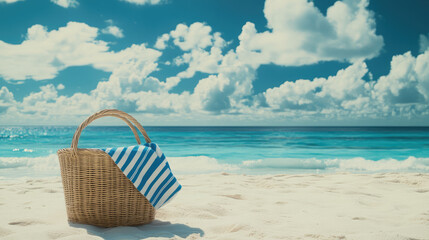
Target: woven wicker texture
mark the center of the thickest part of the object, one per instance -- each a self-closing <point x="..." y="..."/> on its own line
<point x="96" y="191"/>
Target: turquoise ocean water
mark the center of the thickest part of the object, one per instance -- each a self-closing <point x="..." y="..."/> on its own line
<point x="31" y="151"/>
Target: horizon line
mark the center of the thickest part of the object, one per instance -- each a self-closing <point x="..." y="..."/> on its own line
<point x="237" y="126"/>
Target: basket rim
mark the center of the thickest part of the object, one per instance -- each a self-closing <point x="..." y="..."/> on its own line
<point x="86" y="150"/>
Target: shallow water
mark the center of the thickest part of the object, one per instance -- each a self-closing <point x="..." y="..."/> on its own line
<point x="246" y="149"/>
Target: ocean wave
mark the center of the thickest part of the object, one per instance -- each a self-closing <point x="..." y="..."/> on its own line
<point x="204" y="164"/>
<point x="361" y="164"/>
<point x="357" y="164"/>
<point x="49" y="162"/>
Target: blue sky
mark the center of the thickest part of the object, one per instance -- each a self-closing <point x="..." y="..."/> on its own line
<point x="272" y="62"/>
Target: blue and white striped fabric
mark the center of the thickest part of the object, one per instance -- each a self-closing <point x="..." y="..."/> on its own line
<point x="147" y="168"/>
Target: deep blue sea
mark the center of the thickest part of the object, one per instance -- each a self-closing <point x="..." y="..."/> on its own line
<point x="31" y="151"/>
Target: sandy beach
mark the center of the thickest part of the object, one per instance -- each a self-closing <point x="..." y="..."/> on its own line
<point x="232" y="206"/>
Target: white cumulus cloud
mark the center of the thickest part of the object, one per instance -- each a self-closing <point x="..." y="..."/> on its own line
<point x="131" y="76"/>
<point x="424" y="42"/>
<point x="403" y="92"/>
<point x="197" y="35"/>
<point x="6" y="99"/>
<point x="60" y="86"/>
<point x="203" y="49"/>
<point x="44" y="53"/>
<point x="113" y="30"/>
<point x="407" y="81"/>
<point x="319" y="93"/>
<point x="226" y="90"/>
<point x="161" y="42"/>
<point x="300" y="34"/>
<point x="9" y="1"/>
<point x="66" y="3"/>
<point x="144" y="2"/>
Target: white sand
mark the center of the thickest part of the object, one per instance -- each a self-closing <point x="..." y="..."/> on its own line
<point x="223" y="206"/>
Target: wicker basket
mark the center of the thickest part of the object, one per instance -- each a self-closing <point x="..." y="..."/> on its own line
<point x="96" y="191"/>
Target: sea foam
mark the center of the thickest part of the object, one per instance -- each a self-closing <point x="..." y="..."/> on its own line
<point x="357" y="164"/>
<point x="49" y="165"/>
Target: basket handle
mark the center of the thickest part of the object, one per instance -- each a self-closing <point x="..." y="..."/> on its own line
<point x="136" y="135"/>
<point x="111" y="113"/>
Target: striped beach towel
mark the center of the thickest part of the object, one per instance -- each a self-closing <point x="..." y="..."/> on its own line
<point x="148" y="169"/>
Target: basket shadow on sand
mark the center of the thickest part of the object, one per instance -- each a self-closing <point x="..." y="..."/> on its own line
<point x="155" y="229"/>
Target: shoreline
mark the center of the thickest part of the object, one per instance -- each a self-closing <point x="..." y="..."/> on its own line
<point x="46" y="166"/>
<point x="237" y="206"/>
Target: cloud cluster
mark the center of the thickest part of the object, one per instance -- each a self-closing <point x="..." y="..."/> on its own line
<point x="130" y="86"/>
<point x="298" y="34"/>
<point x="226" y="91"/>
<point x="75" y="3"/>
<point x="404" y="91"/>
<point x="320" y="93"/>
<point x="130" y="76"/>
<point x="407" y="81"/>
<point x="202" y="48"/>
<point x="44" y="53"/>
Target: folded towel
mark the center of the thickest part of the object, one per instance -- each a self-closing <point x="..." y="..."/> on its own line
<point x="147" y="168"/>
